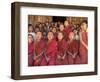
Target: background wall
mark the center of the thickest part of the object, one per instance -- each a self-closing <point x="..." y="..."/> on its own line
<point x="5" y="40"/>
<point x="33" y="19"/>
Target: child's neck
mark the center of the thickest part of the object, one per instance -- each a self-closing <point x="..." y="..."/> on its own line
<point x="60" y="40"/>
<point x="50" y="40"/>
<point x="38" y="40"/>
<point x="71" y="40"/>
<point x="29" y="42"/>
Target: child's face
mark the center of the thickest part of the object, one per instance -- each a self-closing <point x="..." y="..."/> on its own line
<point x="30" y="39"/>
<point x="50" y="36"/>
<point x="30" y="29"/>
<point x="36" y="29"/>
<point x="83" y="26"/>
<point x="56" y="24"/>
<point x="61" y="27"/>
<point x="50" y="28"/>
<point x="54" y="30"/>
<point x="38" y="36"/>
<point x="71" y="35"/>
<point x="47" y="24"/>
<point x="66" y="23"/>
<point x="40" y="25"/>
<point x="59" y="22"/>
<point x="60" y="36"/>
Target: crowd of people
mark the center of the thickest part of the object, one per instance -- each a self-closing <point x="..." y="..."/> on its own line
<point x="56" y="43"/>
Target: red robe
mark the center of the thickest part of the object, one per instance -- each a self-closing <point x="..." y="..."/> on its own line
<point x="55" y="36"/>
<point x="62" y="48"/>
<point x="30" y="53"/>
<point x="73" y="48"/>
<point x="82" y="50"/>
<point x="67" y="30"/>
<point x="51" y="51"/>
<point x="39" y="49"/>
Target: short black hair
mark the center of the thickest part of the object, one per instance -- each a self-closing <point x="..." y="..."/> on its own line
<point x="84" y="21"/>
<point x="39" y="31"/>
<point x="61" y="32"/>
<point x="30" y="35"/>
<point x="51" y="32"/>
<point x="54" y="27"/>
<point x="30" y="25"/>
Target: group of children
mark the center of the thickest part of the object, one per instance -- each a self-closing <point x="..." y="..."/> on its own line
<point x="57" y="45"/>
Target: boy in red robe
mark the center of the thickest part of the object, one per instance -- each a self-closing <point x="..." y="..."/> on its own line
<point x="39" y="49"/>
<point x="30" y="49"/>
<point x="62" y="29"/>
<point x="62" y="48"/>
<point x="54" y="30"/>
<point x="83" y="50"/>
<point x="73" y="50"/>
<point x="50" y="50"/>
<point x="68" y="29"/>
<point x="31" y="30"/>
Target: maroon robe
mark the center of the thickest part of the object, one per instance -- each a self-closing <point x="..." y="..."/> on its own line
<point x="82" y="50"/>
<point x="55" y="35"/>
<point x="30" y="53"/>
<point x="73" y="47"/>
<point x="67" y="30"/>
<point x="39" y="50"/>
<point x="51" y="51"/>
<point x="62" y="48"/>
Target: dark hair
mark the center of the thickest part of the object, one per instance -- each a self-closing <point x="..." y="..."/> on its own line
<point x="50" y="27"/>
<point x="54" y="27"/>
<point x="84" y="21"/>
<point x="36" y="27"/>
<point x="30" y="35"/>
<point x="61" y="23"/>
<point x="30" y="25"/>
<point x="39" y="31"/>
<point x="51" y="32"/>
<point x="61" y="32"/>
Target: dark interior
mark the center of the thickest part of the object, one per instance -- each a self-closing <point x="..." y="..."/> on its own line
<point x="57" y="18"/>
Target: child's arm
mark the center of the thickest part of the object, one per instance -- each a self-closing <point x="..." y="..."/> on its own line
<point x="75" y="54"/>
<point x="36" y="57"/>
<point x="69" y="53"/>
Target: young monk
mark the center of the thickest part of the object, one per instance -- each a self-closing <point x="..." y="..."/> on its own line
<point x="62" y="49"/>
<point x="73" y="50"/>
<point x="67" y="29"/>
<point x="62" y="29"/>
<point x="30" y="49"/>
<point x="54" y="30"/>
<point x="83" y="50"/>
<point x="50" y="50"/>
<point x="39" y="49"/>
<point x="31" y="30"/>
